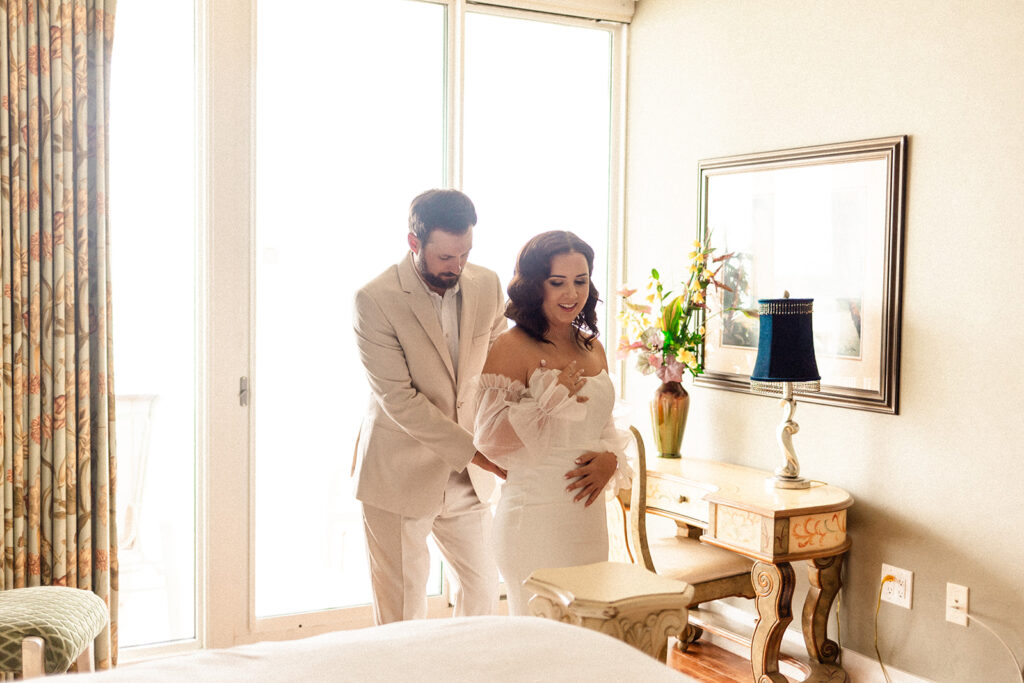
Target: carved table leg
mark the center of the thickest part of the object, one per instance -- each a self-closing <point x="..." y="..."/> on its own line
<point x="774" y="585"/>
<point x="823" y="574"/>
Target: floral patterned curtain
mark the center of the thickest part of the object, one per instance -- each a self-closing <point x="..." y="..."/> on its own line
<point x="58" y="393"/>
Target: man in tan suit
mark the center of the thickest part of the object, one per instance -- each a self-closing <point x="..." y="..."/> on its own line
<point x="423" y="328"/>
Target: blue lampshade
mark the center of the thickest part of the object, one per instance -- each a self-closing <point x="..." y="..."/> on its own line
<point x="785" y="347"/>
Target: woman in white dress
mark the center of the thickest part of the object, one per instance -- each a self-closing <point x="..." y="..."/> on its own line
<point x="544" y="413"/>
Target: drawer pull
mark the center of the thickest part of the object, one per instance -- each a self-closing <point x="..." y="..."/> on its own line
<point x="683" y="499"/>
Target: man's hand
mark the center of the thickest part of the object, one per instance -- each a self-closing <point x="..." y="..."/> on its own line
<point x="593" y="473"/>
<point x="481" y="461"/>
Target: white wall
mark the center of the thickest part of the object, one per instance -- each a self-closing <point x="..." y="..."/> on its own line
<point x="938" y="488"/>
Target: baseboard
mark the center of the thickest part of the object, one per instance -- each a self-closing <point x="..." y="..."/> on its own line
<point x="864" y="668"/>
<point x="861" y="668"/>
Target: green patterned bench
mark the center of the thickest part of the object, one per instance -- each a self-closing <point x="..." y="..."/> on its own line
<point x="44" y="629"/>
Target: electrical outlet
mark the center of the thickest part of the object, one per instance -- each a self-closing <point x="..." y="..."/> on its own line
<point x="900" y="590"/>
<point x="956" y="603"/>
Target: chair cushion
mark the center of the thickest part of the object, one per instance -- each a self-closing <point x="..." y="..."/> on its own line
<point x="689" y="560"/>
<point x="606" y="582"/>
<point x="67" y="619"/>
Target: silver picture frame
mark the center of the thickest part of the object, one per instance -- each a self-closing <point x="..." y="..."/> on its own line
<point x="824" y="223"/>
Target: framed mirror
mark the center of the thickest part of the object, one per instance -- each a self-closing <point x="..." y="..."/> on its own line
<point x="823" y="223"/>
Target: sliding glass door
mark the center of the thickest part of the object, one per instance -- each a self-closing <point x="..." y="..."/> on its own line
<point x="348" y="130"/>
<point x="359" y="130"/>
<point x="155" y="280"/>
<point x="318" y="122"/>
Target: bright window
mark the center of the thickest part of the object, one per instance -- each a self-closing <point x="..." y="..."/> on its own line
<point x="340" y="153"/>
<point x="537" y="135"/>
<point x="348" y="131"/>
<point x="153" y="271"/>
<point x="358" y="107"/>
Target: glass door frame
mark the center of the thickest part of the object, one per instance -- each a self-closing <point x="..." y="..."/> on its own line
<point x="200" y="287"/>
<point x="226" y="536"/>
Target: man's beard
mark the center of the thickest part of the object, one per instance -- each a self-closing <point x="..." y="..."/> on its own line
<point x="445" y="281"/>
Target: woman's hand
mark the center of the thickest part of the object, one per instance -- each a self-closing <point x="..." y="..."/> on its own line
<point x="572" y="379"/>
<point x="593" y="473"/>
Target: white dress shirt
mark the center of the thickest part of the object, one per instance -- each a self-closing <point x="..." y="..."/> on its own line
<point x="447" y="309"/>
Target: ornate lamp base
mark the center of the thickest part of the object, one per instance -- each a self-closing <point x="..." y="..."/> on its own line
<point x="783" y="482"/>
<point x="788" y="476"/>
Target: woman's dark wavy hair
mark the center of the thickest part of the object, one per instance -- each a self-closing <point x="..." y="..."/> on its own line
<point x="526" y="290"/>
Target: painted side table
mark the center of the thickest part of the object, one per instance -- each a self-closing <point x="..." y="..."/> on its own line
<point x="739" y="511"/>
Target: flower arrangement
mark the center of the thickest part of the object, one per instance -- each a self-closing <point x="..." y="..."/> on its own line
<point x="668" y="345"/>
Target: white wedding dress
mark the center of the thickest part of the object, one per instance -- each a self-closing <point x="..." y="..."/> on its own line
<point x="536" y="433"/>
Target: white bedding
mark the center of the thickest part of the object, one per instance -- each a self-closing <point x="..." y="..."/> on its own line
<point x="469" y="649"/>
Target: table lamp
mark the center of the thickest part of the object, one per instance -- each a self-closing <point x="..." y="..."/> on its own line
<point x="785" y="365"/>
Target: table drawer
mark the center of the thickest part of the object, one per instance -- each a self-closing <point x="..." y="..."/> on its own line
<point x="677" y="498"/>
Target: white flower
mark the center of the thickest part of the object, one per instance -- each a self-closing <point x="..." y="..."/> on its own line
<point x="643" y="364"/>
<point x="652" y="338"/>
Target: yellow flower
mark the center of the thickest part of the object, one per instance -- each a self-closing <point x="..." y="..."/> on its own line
<point x="676" y="348"/>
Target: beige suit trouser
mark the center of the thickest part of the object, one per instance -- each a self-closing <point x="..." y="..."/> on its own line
<point x="400" y="560"/>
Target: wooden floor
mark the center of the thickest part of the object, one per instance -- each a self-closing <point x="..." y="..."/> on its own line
<point x="710" y="663"/>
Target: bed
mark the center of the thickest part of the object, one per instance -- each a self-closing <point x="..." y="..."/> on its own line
<point x="468" y="649"/>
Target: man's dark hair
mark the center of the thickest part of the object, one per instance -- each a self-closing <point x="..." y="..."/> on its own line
<point x="526" y="290"/>
<point x="448" y="210"/>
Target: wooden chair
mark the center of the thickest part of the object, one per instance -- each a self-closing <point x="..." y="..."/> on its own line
<point x="620" y="599"/>
<point x="617" y="514"/>
<point x="714" y="573"/>
<point x="44" y="629"/>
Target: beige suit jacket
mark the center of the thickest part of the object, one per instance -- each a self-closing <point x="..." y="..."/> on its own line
<point x="419" y="426"/>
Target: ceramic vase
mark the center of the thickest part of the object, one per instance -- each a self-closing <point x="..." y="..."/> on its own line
<point x="669" y="408"/>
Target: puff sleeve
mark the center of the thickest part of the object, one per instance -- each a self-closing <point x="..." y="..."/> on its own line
<point x="617" y="441"/>
<point x="511" y="417"/>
